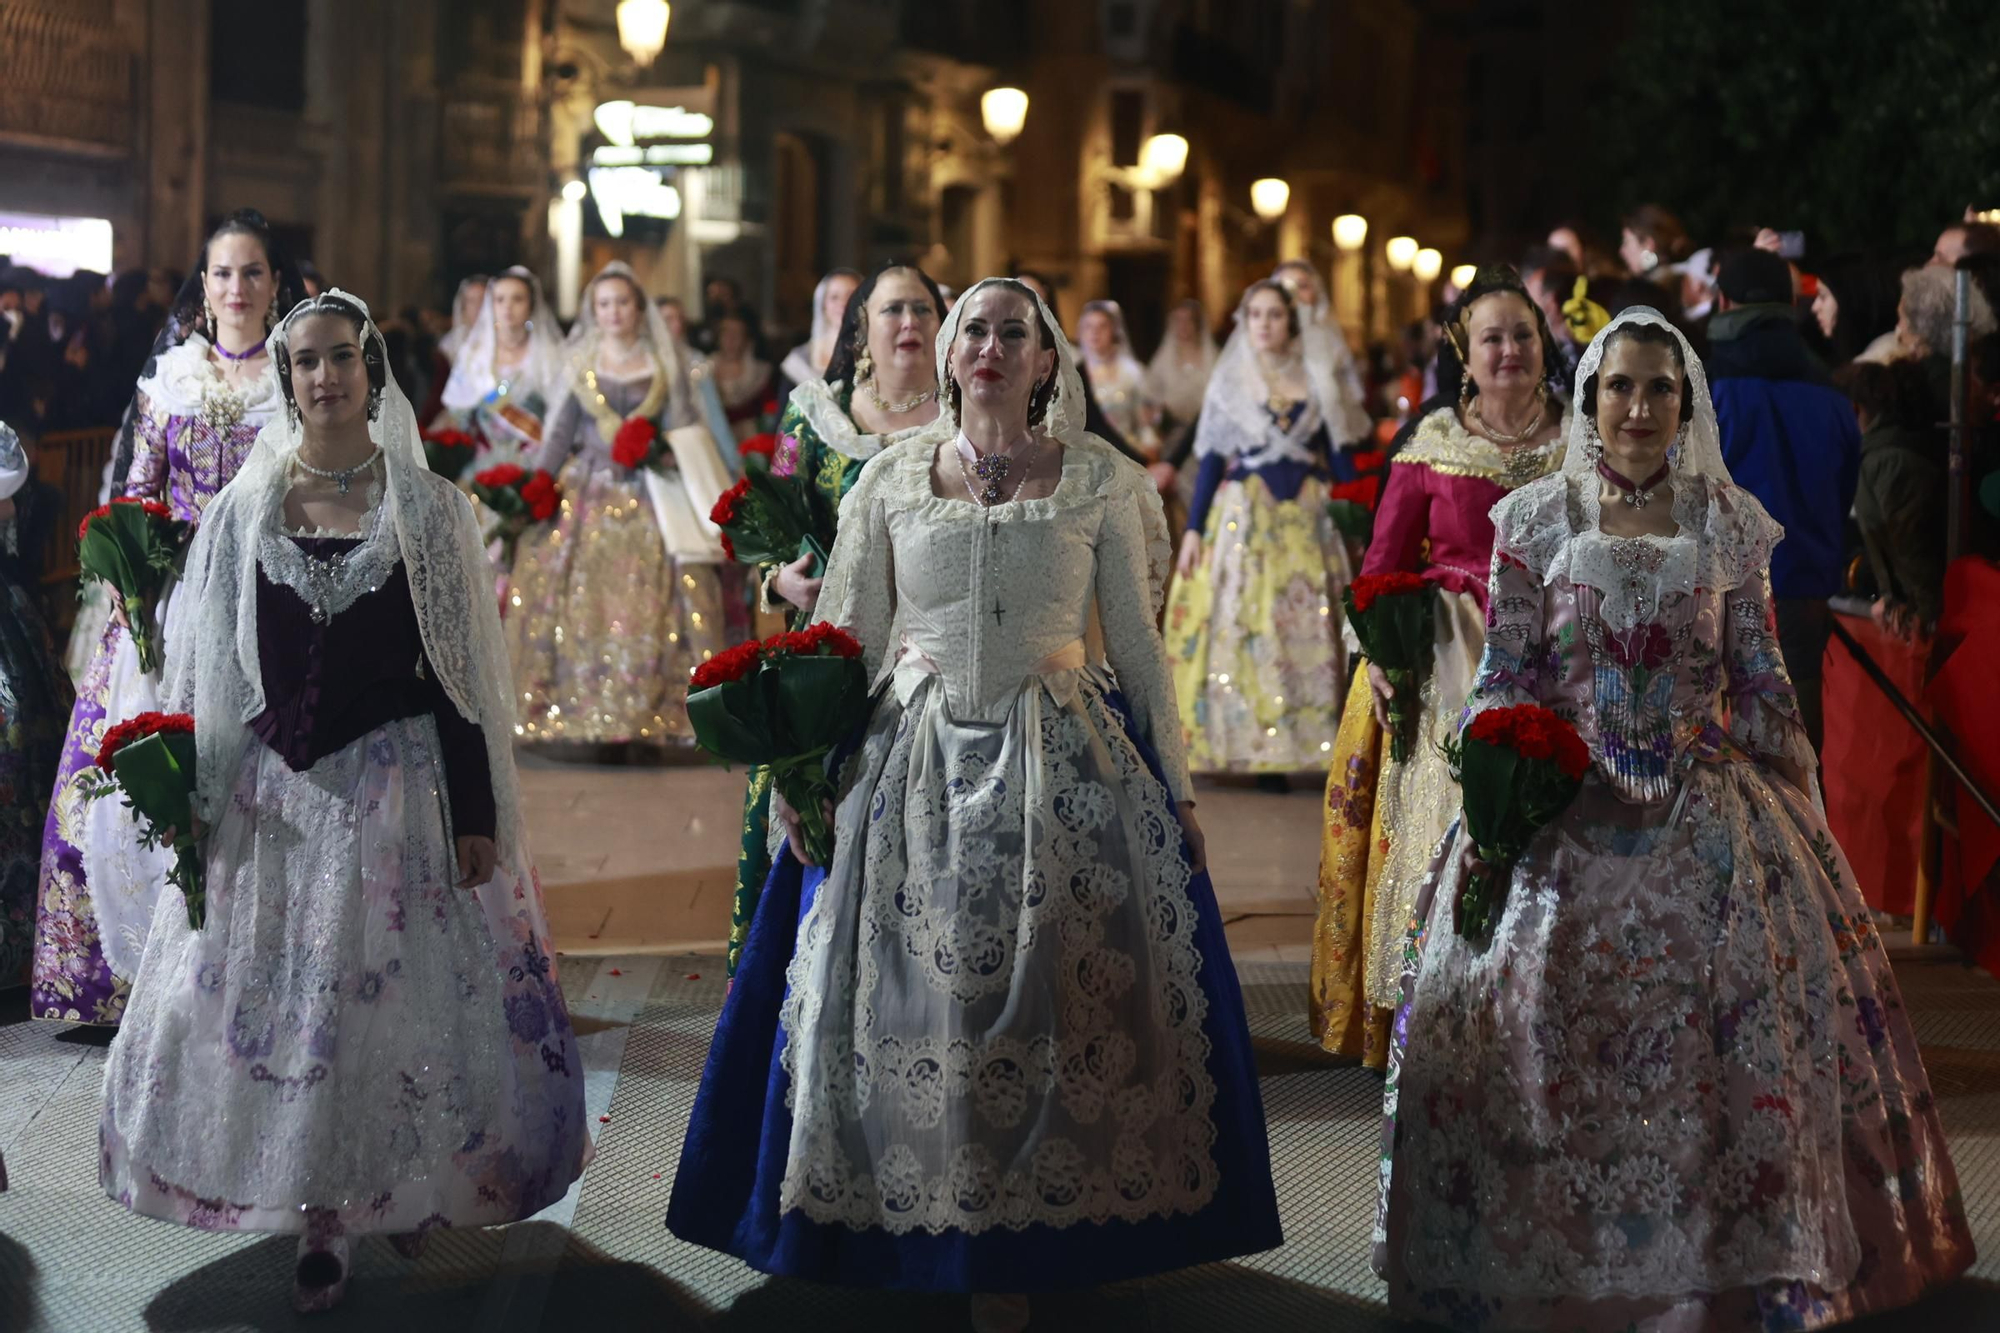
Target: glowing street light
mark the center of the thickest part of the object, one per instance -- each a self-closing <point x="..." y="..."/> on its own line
<point x="1163" y="159"/>
<point x="642" y="28"/>
<point x="1005" y="111"/>
<point x="1462" y="276"/>
<point x="1401" y="252"/>
<point x="1270" y="197"/>
<point x="1350" y="231"/>
<point x="1427" y="264"/>
<point x="574" y="191"/>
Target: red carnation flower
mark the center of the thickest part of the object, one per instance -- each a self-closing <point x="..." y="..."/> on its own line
<point x="766" y="445"/>
<point x="729" y="664"/>
<point x="1370" y="586"/>
<point x="633" y="444"/>
<point x="137" y="729"/>
<point x="728" y="549"/>
<point x="499" y="478"/>
<point x="724" y="511"/>
<point x="541" y="495"/>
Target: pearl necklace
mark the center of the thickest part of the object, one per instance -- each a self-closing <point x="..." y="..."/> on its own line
<point x="993" y="469"/>
<point x="341" y="477"/>
<point x="908" y="405"/>
<point x="1498" y="436"/>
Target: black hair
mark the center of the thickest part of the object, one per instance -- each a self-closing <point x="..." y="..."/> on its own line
<point x="1652" y="335"/>
<point x="851" y="338"/>
<point x="1866" y="291"/>
<point x="1284" y="294"/>
<point x="1045" y="392"/>
<point x="374" y="354"/>
<point x="190" y="308"/>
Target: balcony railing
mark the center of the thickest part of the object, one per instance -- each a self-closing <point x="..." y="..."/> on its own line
<point x="66" y="74"/>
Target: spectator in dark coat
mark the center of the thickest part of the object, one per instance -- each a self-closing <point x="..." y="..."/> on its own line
<point x="1900" y="505"/>
<point x="1790" y="438"/>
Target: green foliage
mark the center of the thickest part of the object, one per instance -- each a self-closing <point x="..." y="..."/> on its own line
<point x="1862" y="123"/>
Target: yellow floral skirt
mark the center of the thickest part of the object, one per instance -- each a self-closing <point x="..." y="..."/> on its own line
<point x="1382" y="820"/>
<point x="603" y="628"/>
<point x="1254" y="635"/>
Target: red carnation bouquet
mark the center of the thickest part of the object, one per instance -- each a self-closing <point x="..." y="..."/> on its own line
<point x="518" y="497"/>
<point x="638" y="444"/>
<point x="133" y="545"/>
<point x="150" y="759"/>
<point x="784" y="703"/>
<point x="1351" y="506"/>
<point x="450" y="452"/>
<point x="770" y="517"/>
<point x="1518" y="767"/>
<point x="1393" y="617"/>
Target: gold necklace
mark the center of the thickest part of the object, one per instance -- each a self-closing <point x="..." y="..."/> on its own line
<point x="599" y="407"/>
<point x="1278" y="400"/>
<point x="1501" y="437"/>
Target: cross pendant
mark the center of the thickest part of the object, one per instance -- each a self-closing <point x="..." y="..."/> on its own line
<point x="998" y="611"/>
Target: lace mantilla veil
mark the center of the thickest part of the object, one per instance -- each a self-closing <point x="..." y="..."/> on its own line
<point x="1233" y="420"/>
<point x="451" y="582"/>
<point x="472" y="376"/>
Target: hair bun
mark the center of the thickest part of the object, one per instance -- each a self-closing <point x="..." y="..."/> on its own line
<point x="249" y="217"/>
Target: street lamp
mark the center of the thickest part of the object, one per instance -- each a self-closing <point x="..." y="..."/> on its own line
<point x="1427" y="264"/>
<point x="1401" y="252"/>
<point x="642" y="28"/>
<point x="1462" y="276"/>
<point x="1005" y="111"/>
<point x="1163" y="159"/>
<point x="1270" y="197"/>
<point x="1350" y="231"/>
<point x="574" y="191"/>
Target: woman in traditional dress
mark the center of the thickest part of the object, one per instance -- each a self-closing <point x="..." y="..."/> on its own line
<point x="35" y="700"/>
<point x="466" y="304"/>
<point x="1115" y="377"/>
<point x="809" y="360"/>
<point x="997" y="1046"/>
<point x="1496" y="424"/>
<point x="1676" y="1088"/>
<point x="202" y="399"/>
<point x="507" y="372"/>
<point x="605" y="622"/>
<point x="746" y="381"/>
<point x="1176" y="379"/>
<point x="880" y="388"/>
<point x="1253" y="627"/>
<point x="365" y="1035"/>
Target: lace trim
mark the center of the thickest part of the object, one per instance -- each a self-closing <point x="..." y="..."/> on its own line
<point x="330" y="585"/>
<point x="185" y="383"/>
<point x="819" y="403"/>
<point x="1635" y="577"/>
<point x="1448" y="448"/>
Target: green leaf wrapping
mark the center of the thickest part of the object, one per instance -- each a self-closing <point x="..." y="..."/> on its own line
<point x="157" y="774"/>
<point x="1398" y="633"/>
<point x="1507" y="799"/>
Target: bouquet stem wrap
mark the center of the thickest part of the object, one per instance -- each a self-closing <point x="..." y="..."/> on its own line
<point x="1394" y="617"/>
<point x="151" y="760"/>
<point x="134" y="547"/>
<point x="785" y="702"/>
<point x="1518" y="769"/>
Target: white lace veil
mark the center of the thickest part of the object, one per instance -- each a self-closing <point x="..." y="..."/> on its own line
<point x="580" y="348"/>
<point x="1177" y="380"/>
<point x="451" y="583"/>
<point x="800" y="364"/>
<point x="1698" y="452"/>
<point x="1064" y="419"/>
<point x="1122" y="355"/>
<point x="454" y="338"/>
<point x="472" y="376"/>
<point x="1234" y="422"/>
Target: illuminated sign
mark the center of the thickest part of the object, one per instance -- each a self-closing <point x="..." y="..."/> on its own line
<point x="56" y="246"/>
<point x="626" y="123"/>
<point x="622" y="192"/>
<point x="658" y="155"/>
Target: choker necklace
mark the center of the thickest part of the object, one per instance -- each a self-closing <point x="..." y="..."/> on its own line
<point x="341" y="477"/>
<point x="907" y="405"/>
<point x="993" y="469"/>
<point x="1637" y="494"/>
<point x="228" y="355"/>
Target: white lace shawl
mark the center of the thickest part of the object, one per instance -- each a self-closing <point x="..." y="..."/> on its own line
<point x="220" y="679"/>
<point x="1234" y="422"/>
<point x="819" y="403"/>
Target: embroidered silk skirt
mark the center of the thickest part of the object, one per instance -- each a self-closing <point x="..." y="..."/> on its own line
<point x="350" y="1039"/>
<point x="1254" y="635"/>
<point x="1000" y="1045"/>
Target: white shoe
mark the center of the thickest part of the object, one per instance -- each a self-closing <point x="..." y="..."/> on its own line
<point x="998" y="1314"/>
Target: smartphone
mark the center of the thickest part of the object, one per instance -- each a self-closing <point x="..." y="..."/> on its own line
<point x="1792" y="244"/>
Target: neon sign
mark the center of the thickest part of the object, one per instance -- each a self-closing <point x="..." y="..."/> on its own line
<point x="626" y="123"/>
<point x="622" y="192"/>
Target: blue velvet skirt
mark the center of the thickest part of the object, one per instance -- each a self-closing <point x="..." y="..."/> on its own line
<point x="726" y="1195"/>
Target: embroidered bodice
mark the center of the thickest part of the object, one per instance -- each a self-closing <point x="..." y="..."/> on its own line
<point x="192" y="430"/>
<point x="1434" y="516"/>
<point x="1662" y="650"/>
<point x="994" y="600"/>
